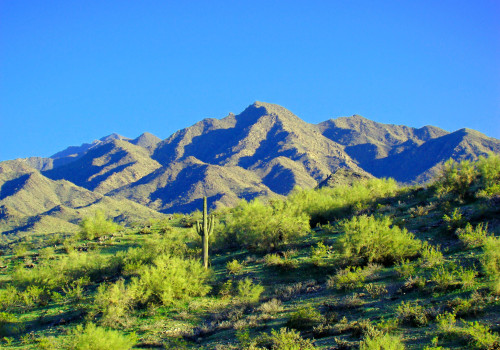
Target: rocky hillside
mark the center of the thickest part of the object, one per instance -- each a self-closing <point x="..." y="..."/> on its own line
<point x="265" y="150"/>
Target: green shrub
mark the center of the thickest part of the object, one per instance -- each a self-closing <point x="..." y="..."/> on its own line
<point x="456" y="178"/>
<point x="491" y="258"/>
<point x="154" y="246"/>
<point x="114" y="302"/>
<point x="260" y="227"/>
<point x="376" y="240"/>
<point x="9" y="298"/>
<point x="405" y="269"/>
<point x="450" y="276"/>
<point x="56" y="274"/>
<point x="467" y="307"/>
<point x="169" y="279"/>
<point x="305" y="318"/>
<point x="327" y="204"/>
<point x="348" y="278"/>
<point x="273" y="306"/>
<point x="34" y="295"/>
<point x="226" y="290"/>
<point x="375" y="290"/>
<point x="249" y="292"/>
<point x="234" y="267"/>
<point x="434" y="345"/>
<point x="382" y="341"/>
<point x="8" y="324"/>
<point x="473" y="237"/>
<point x="285" y="339"/>
<point x="275" y="260"/>
<point x="430" y="256"/>
<point x="455" y="220"/>
<point x="489" y="174"/>
<point x="92" y="337"/>
<point x="480" y="336"/>
<point x="319" y="253"/>
<point x="97" y="226"/>
<point x="476" y="335"/>
<point x="467" y="178"/>
<point x="446" y="323"/>
<point x="412" y="314"/>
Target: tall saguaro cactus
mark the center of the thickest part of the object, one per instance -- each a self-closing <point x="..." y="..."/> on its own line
<point x="205" y="229"/>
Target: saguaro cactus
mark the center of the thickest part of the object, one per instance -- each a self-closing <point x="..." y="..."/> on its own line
<point x="205" y="229"/>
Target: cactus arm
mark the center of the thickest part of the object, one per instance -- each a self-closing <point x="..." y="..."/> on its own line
<point x="199" y="228"/>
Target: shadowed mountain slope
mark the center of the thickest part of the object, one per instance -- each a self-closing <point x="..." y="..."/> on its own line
<point x="102" y="169"/>
<point x="265" y="151"/>
<point x="419" y="164"/>
<point x="30" y="201"/>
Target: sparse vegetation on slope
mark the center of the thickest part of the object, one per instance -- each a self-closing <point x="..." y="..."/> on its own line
<point x="379" y="268"/>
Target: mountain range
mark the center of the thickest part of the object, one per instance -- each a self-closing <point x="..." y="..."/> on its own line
<point x="265" y="151"/>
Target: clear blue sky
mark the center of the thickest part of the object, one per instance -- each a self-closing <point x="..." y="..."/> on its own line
<point x="74" y="71"/>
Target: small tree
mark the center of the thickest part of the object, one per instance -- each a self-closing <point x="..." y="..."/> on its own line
<point x="98" y="225"/>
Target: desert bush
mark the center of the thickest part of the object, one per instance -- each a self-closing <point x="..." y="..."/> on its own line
<point x="226" y="289"/>
<point x="353" y="301"/>
<point x="305" y="318"/>
<point x="455" y="220"/>
<point x="473" y="237"/>
<point x="285" y="339"/>
<point x="34" y="295"/>
<point x="467" y="178"/>
<point x="249" y="292"/>
<point x="9" y="324"/>
<point x="467" y="307"/>
<point x="348" y="278"/>
<point x="382" y="341"/>
<point x="476" y="335"/>
<point x="450" y="276"/>
<point x="288" y="291"/>
<point x="9" y="298"/>
<point x="54" y="274"/>
<point x="480" y="336"/>
<point x="234" y="267"/>
<point x="412" y="314"/>
<point x="114" y="302"/>
<point x="491" y="258"/>
<point x="47" y="253"/>
<point x="319" y="253"/>
<point x="405" y="269"/>
<point x="272" y="306"/>
<point x="92" y="337"/>
<point x="154" y="246"/>
<point x="98" y="225"/>
<point x="260" y="227"/>
<point x="446" y="322"/>
<point x="430" y="256"/>
<point x="434" y="345"/>
<point x="327" y="204"/>
<point x="375" y="290"/>
<point x="413" y="282"/>
<point x="169" y="279"/>
<point x="285" y="263"/>
<point x="418" y="211"/>
<point x="489" y="174"/>
<point x="456" y="178"/>
<point x="74" y="292"/>
<point x="376" y="240"/>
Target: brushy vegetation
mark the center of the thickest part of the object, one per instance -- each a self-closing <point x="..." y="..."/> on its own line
<point x="367" y="266"/>
<point x="97" y="226"/>
<point x="370" y="239"/>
